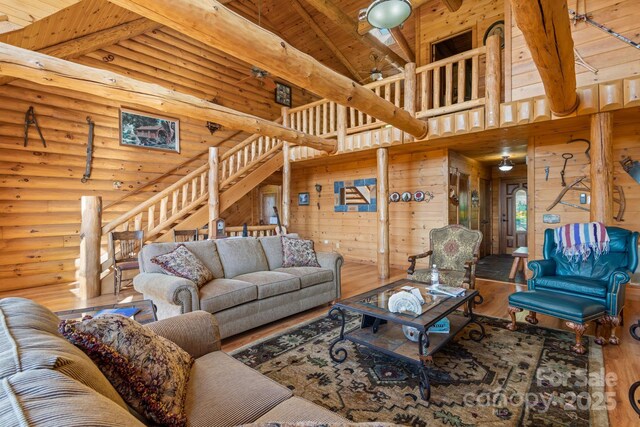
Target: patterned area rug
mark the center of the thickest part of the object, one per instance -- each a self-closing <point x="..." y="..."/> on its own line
<point x="529" y="377"/>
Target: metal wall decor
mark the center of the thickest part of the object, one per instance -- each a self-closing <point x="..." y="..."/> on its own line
<point x="30" y="119"/>
<point x="394" y="197"/>
<point x="406" y="196"/>
<point x="475" y="198"/>
<point x="418" y="196"/>
<point x="87" y="170"/>
<point x="632" y="167"/>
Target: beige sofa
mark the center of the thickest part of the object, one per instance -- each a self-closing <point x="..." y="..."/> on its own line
<point x="250" y="287"/>
<point x="47" y="381"/>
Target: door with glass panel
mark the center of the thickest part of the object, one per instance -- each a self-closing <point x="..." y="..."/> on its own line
<point x="513" y="215"/>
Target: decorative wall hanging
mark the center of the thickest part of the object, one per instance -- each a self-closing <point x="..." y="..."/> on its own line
<point x="358" y="195"/>
<point x="283" y="94"/>
<point x="453" y="197"/>
<point x="87" y="170"/>
<point x="418" y="196"/>
<point x="586" y="152"/>
<point x="475" y="198"/>
<point x="30" y="119"/>
<point x="213" y="127"/>
<point x="303" y="199"/>
<point x="406" y="196"/>
<point x="319" y="191"/>
<point x="632" y="167"/>
<point x="394" y="197"/>
<point x="575" y="17"/>
<point x="146" y="130"/>
<point x="551" y="219"/>
<point x="581" y="184"/>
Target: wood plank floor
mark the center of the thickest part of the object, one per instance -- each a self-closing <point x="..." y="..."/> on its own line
<point x="623" y="360"/>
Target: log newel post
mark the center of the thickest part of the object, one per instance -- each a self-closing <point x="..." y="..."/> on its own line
<point x="601" y="167"/>
<point x="410" y="79"/>
<point x="341" y="126"/>
<point x="90" y="236"/>
<point x="383" y="212"/>
<point x="214" y="190"/>
<point x="493" y="85"/>
<point x="286" y="174"/>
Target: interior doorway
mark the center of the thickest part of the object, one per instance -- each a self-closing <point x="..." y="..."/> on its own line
<point x="513" y="214"/>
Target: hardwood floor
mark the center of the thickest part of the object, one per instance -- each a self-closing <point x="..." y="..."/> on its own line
<point x="622" y="360"/>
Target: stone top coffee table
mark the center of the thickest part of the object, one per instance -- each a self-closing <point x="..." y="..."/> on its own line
<point x="382" y="330"/>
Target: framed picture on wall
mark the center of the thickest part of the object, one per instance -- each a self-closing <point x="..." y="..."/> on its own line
<point x="303" y="199"/>
<point x="139" y="129"/>
<point x="283" y="94"/>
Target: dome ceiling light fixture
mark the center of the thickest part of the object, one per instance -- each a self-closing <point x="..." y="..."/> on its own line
<point x="505" y="164"/>
<point x="388" y="13"/>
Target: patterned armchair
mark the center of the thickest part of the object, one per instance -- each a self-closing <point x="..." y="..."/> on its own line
<point x="454" y="250"/>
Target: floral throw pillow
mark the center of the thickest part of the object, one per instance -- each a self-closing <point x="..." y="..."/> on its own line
<point x="182" y="263"/>
<point x="298" y="253"/>
<point x="149" y="371"/>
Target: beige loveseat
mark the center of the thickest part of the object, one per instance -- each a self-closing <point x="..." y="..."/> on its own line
<point x="47" y="381"/>
<point x="250" y="287"/>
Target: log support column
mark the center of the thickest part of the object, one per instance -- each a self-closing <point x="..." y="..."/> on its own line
<point x="286" y="175"/>
<point x="341" y="126"/>
<point x="383" y="212"/>
<point x="90" y="235"/>
<point x="214" y="190"/>
<point x="602" y="167"/>
<point x="493" y="82"/>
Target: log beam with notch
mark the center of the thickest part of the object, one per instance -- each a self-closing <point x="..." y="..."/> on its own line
<point x="211" y="23"/>
<point x="91" y="42"/>
<point x="50" y="71"/>
<point x="350" y="25"/>
<point x="547" y="31"/>
<point x="308" y="19"/>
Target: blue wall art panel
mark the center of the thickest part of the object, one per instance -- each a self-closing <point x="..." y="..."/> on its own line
<point x="358" y="195"/>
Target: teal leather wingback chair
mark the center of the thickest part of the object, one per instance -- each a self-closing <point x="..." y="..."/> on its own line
<point x="601" y="280"/>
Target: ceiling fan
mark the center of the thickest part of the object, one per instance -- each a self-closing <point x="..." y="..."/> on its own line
<point x="378" y="71"/>
<point x="265" y="79"/>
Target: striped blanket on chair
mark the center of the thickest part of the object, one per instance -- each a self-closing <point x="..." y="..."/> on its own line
<point x="578" y="241"/>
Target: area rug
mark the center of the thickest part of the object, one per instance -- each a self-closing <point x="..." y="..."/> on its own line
<point x="529" y="377"/>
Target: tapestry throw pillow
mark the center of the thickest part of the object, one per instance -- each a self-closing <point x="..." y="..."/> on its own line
<point x="181" y="262"/>
<point x="298" y="253"/>
<point x="149" y="371"/>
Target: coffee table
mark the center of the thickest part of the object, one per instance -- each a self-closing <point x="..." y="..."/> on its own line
<point x="381" y="329"/>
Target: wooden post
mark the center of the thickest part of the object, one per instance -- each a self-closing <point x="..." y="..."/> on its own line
<point x="214" y="190"/>
<point x="90" y="235"/>
<point x="383" y="212"/>
<point x="410" y="88"/>
<point x="493" y="87"/>
<point x="341" y="126"/>
<point x="531" y="201"/>
<point x="602" y="167"/>
<point x="286" y="175"/>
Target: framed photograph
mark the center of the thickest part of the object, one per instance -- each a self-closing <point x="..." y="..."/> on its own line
<point x="147" y="130"/>
<point x="303" y="199"/>
<point x="283" y="94"/>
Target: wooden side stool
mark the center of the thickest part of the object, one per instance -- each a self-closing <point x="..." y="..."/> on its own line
<point x="520" y="257"/>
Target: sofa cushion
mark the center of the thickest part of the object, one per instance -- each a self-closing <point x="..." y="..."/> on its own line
<point x="574" y="285"/>
<point x="298" y="253"/>
<point x="221" y="294"/>
<point x="182" y="263"/>
<point x="224" y="392"/>
<point x="29" y="340"/>
<point x="241" y="256"/>
<point x="309" y="276"/>
<point x="149" y="371"/>
<point x="44" y="397"/>
<point x="297" y="409"/>
<point x="205" y="250"/>
<point x="271" y="283"/>
<point x="272" y="246"/>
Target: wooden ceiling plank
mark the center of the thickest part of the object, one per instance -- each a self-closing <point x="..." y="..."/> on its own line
<point x="215" y="25"/>
<point x="50" y="71"/>
<point x="323" y="36"/>
<point x="404" y="45"/>
<point x="547" y="31"/>
<point x="82" y="45"/>
<point x="350" y="25"/>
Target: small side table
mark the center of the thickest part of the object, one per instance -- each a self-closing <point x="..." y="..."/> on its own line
<point x="520" y="257"/>
<point x="147" y="313"/>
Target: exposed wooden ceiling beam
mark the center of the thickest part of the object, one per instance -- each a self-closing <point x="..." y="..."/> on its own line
<point x="91" y="42"/>
<point x="350" y="25"/>
<point x="404" y="45"/>
<point x="50" y="71"/>
<point x="211" y="23"/>
<point x="452" y="5"/>
<point x="546" y="29"/>
<point x="323" y="36"/>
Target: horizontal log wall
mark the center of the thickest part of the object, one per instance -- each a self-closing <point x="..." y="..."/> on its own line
<point x="40" y="188"/>
<point x="353" y="234"/>
<point x="613" y="58"/>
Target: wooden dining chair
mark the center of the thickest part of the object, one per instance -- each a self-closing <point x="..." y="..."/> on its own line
<point x="123" y="253"/>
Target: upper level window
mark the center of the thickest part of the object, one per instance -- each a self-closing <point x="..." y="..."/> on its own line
<point x="383" y="35"/>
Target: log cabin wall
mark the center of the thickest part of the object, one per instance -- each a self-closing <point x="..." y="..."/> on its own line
<point x="40" y="187"/>
<point x="612" y="58"/>
<point x="354" y="234"/>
